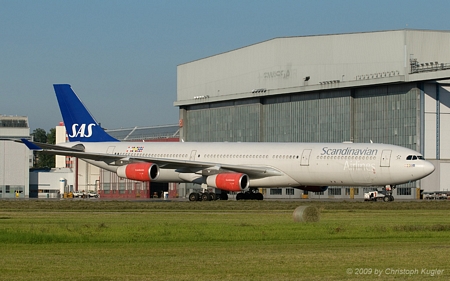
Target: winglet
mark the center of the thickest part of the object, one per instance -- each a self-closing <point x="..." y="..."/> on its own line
<point x="30" y="145"/>
<point x="80" y="124"/>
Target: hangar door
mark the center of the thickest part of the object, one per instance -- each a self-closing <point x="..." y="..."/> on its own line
<point x="444" y="176"/>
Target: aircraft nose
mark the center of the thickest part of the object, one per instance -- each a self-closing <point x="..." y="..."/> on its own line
<point x="428" y="168"/>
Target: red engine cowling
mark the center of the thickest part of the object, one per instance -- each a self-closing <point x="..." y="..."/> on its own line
<point x="142" y="171"/>
<point x="314" y="188"/>
<point x="228" y="181"/>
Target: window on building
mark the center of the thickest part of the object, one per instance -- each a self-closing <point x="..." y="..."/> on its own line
<point x="289" y="191"/>
<point x="404" y="191"/>
<point x="369" y="189"/>
<point x="137" y="186"/>
<point x="122" y="187"/>
<point x="276" y="191"/>
<point x="334" y="191"/>
<point x="106" y="188"/>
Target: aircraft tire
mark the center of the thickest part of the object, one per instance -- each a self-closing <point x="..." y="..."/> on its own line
<point x="206" y="197"/>
<point x="259" y="196"/>
<point x="223" y="196"/>
<point x="213" y="196"/>
<point x="193" y="196"/>
<point x="386" y="198"/>
<point x="391" y="198"/>
<point x="240" y="196"/>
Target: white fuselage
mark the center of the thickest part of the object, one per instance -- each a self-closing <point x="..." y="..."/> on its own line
<point x="300" y="164"/>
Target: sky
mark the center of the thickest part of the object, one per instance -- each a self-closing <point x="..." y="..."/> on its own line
<point x="121" y="57"/>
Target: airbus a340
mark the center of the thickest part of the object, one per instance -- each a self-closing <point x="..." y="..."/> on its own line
<point x="238" y="167"/>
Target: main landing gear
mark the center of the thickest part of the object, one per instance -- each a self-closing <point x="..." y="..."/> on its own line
<point x="252" y="194"/>
<point x="388" y="193"/>
<point x="207" y="196"/>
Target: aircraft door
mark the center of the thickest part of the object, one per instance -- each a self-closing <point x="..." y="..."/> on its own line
<point x="193" y="153"/>
<point x="386" y="158"/>
<point x="305" y="157"/>
<point x="110" y="149"/>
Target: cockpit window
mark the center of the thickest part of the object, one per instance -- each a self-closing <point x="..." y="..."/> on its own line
<point x="414" y="157"/>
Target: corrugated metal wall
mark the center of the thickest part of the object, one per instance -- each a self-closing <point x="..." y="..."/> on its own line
<point x="381" y="114"/>
<point x="229" y="123"/>
<point x="387" y="114"/>
<point x="312" y="117"/>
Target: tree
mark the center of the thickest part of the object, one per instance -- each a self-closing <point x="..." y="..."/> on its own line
<point x="51" y="136"/>
<point x="39" y="135"/>
<point x="42" y="160"/>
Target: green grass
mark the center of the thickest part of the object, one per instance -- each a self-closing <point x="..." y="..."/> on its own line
<point x="109" y="240"/>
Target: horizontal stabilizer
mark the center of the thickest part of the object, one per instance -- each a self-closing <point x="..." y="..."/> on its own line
<point x="31" y="145"/>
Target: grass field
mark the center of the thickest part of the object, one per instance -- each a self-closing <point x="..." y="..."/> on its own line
<point x="223" y="240"/>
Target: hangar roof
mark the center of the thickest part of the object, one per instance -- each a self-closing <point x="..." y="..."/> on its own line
<point x="145" y="133"/>
<point x="313" y="35"/>
<point x="310" y="63"/>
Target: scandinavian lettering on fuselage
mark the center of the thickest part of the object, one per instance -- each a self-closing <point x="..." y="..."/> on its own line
<point x="359" y="166"/>
<point x="349" y="151"/>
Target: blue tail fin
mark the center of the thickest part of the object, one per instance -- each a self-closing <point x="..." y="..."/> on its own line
<point x="80" y="125"/>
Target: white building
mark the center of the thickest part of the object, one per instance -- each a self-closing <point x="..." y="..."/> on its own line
<point x="15" y="158"/>
<point x="52" y="183"/>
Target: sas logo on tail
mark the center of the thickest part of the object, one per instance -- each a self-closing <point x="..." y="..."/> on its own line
<point x="80" y="130"/>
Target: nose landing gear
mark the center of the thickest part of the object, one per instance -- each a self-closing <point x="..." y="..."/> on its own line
<point x="388" y="193"/>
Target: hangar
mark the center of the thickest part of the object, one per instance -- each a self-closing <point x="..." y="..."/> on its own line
<point x="384" y="87"/>
<point x="15" y="159"/>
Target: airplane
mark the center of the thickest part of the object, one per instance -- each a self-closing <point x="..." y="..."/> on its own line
<point x="242" y="167"/>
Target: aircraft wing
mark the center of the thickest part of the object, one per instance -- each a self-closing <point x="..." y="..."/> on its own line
<point x="164" y="163"/>
<point x="211" y="167"/>
<point x="40" y="146"/>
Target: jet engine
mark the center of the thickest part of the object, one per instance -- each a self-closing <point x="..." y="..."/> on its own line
<point x="313" y="188"/>
<point x="228" y="181"/>
<point x="141" y="171"/>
